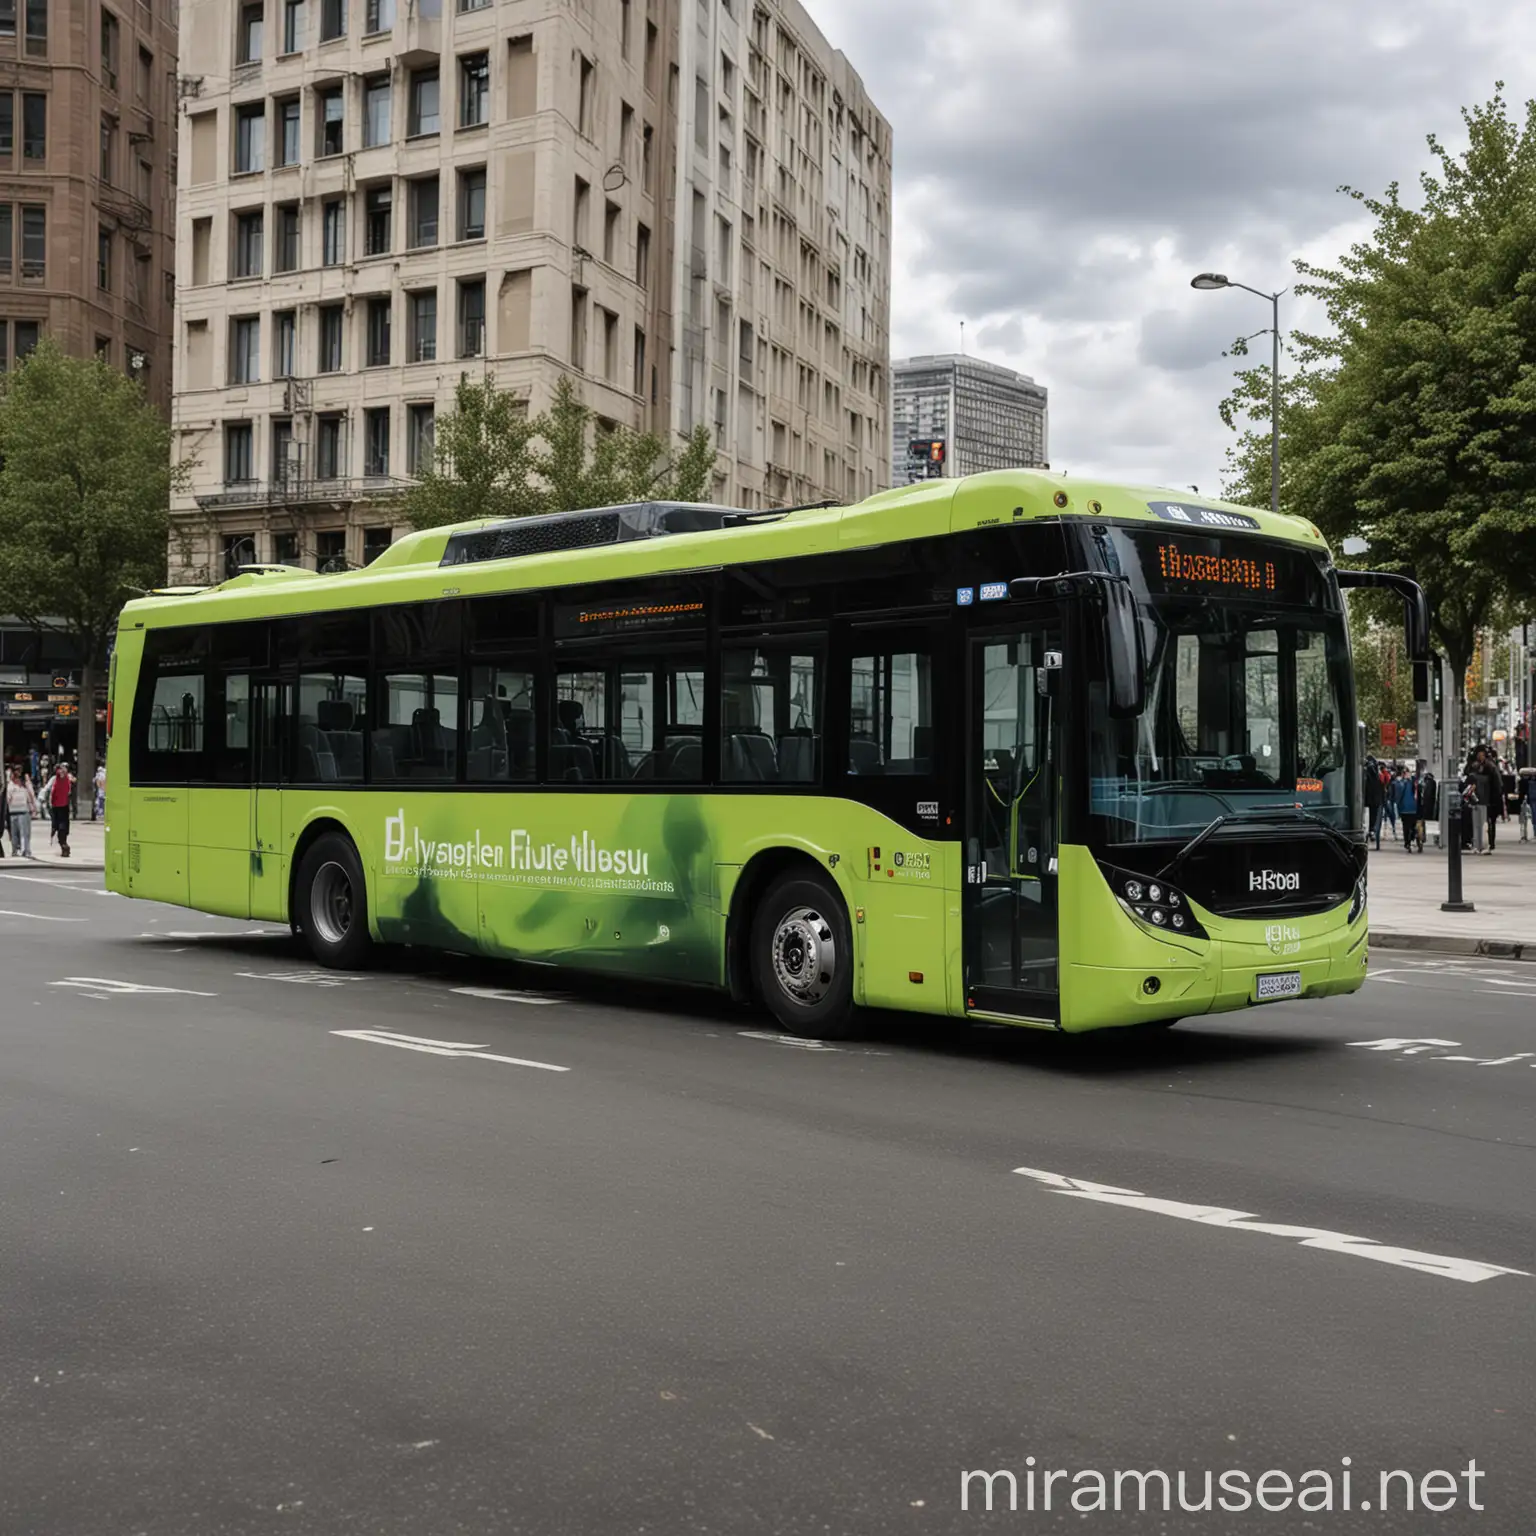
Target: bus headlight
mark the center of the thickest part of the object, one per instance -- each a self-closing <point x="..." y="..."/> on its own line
<point x="1154" y="903"/>
<point x="1357" y="903"/>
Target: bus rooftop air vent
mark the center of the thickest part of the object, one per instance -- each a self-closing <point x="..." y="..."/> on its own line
<point x="584" y="530"/>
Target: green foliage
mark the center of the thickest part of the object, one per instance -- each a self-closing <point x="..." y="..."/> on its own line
<point x="85" y="485"/>
<point x="492" y="460"/>
<point x="1412" y="423"/>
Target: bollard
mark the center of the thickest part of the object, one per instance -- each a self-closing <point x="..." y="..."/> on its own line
<point x="1453" y="901"/>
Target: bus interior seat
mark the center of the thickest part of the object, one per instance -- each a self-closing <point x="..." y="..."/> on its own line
<point x="517" y="737"/>
<point x="797" y="756"/>
<point x="682" y="758"/>
<point x="864" y="755"/>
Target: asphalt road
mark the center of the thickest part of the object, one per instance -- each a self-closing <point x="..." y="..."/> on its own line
<point x="261" y="1276"/>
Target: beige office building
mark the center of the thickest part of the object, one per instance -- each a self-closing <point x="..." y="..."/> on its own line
<point x="681" y="205"/>
<point x="87" y="141"/>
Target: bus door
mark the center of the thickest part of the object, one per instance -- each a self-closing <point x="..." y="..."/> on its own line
<point x="271" y="702"/>
<point x="1009" y="907"/>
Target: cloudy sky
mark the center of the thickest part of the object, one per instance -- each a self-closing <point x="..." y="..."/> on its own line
<point x="1063" y="167"/>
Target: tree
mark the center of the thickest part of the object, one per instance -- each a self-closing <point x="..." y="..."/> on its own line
<point x="85" y="484"/>
<point x="492" y="460"/>
<point x="1412" y="422"/>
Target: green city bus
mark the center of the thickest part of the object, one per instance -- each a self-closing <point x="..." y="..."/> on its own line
<point x="1017" y="748"/>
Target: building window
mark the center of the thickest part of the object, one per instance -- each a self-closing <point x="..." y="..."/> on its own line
<point x="333" y="232"/>
<point x="251" y="138"/>
<point x="333" y="20"/>
<point x="37" y="48"/>
<point x="239" y="466"/>
<point x="424" y="102"/>
<point x="293" y="25"/>
<point x="376" y="441"/>
<point x="375" y="111"/>
<point x="330" y="448"/>
<point x="249" y="231"/>
<point x="472" y="204"/>
<point x="284" y="338"/>
<point x="7" y="239"/>
<point x="379" y="16"/>
<point x="332" y="322"/>
<point x="639" y="371"/>
<point x="473" y="5"/>
<point x="332" y="118"/>
<point x="109" y="33"/>
<point x="472" y="317"/>
<point x="249" y="46"/>
<point x="421" y="437"/>
<point x="611" y="233"/>
<point x="331" y="550"/>
<point x="379" y="315"/>
<point x="143" y="84"/>
<point x="245" y="350"/>
<point x="474" y="89"/>
<point x="34" y="126"/>
<point x="375" y="542"/>
<point x="378" y="210"/>
<point x="28" y="334"/>
<point x="642" y="256"/>
<point x="421" y="308"/>
<point x="288" y="131"/>
<point x="7" y="125"/>
<point x="104" y="260"/>
<point x="584" y="99"/>
<point x="285" y="549"/>
<point x="284" y="467"/>
<point x="285" y="240"/>
<point x="422" y="230"/>
<point x="579" y="329"/>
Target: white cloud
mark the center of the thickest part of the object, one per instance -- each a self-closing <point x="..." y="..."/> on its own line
<point x="1063" y="167"/>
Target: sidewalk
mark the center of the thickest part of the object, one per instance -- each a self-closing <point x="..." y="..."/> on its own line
<point x="1406" y="891"/>
<point x="87" y="849"/>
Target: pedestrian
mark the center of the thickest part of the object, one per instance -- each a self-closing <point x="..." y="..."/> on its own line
<point x="1429" y="798"/>
<point x="1388" y="800"/>
<point x="1487" y="790"/>
<point x="21" y="803"/>
<point x="60" y="796"/>
<point x="1527" y="801"/>
<point x="1406" y="790"/>
<point x="99" y="803"/>
<point x="1373" y="795"/>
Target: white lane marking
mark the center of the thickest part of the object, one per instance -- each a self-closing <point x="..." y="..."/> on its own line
<point x="507" y="995"/>
<point x="101" y="984"/>
<point x="39" y="917"/>
<point x="68" y="885"/>
<point x="1444" y="1266"/>
<point x="302" y="978"/>
<point x="794" y="1041"/>
<point x="1405" y="1046"/>
<point x="457" y="1048"/>
<point x="226" y="933"/>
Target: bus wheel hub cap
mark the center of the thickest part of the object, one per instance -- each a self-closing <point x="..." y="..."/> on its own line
<point x="805" y="955"/>
<point x="331" y="907"/>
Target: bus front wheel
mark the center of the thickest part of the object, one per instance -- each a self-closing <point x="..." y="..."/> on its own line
<point x="802" y="957"/>
<point x="333" y="903"/>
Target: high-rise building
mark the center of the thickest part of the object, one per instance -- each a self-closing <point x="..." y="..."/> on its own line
<point x="684" y="208"/>
<point x="87" y="142"/>
<point x="955" y="415"/>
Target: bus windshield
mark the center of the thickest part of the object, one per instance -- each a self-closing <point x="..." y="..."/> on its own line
<point x="1248" y="699"/>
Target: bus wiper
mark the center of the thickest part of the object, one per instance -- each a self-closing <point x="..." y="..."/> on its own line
<point x="1257" y="813"/>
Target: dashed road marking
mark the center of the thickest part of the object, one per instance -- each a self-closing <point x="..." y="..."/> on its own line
<point x="459" y="1048"/>
<point x="1426" y="1046"/>
<point x="102" y="985"/>
<point x="303" y="978"/>
<point x="39" y="917"/>
<point x="508" y="995"/>
<point x="1446" y="1267"/>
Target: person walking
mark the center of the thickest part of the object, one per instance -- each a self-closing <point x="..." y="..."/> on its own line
<point x="1388" y="799"/>
<point x="1406" y="789"/>
<point x="1487" y="790"/>
<point x="61" y="793"/>
<point x="1373" y="796"/>
<point x="99" y="801"/>
<point x="21" y="804"/>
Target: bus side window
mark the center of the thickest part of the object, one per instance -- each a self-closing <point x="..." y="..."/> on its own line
<point x="890" y="715"/>
<point x="770" y="715"/>
<point x="501" y="725"/>
<point x="170" y="709"/>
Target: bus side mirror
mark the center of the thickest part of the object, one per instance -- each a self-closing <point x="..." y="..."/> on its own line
<point x="1415" y="609"/>
<point x="1122" y="651"/>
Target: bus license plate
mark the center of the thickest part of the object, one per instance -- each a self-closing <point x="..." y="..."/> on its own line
<point x="1277" y="984"/>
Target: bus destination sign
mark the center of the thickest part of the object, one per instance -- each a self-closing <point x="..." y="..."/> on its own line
<point x="1181" y="565"/>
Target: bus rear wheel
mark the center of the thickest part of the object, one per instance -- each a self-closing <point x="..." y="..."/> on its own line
<point x="332" y="903"/>
<point x="802" y="957"/>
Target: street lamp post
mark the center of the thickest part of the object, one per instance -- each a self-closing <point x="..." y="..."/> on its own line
<point x="1208" y="282"/>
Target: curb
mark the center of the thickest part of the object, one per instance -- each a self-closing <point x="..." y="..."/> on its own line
<point x="1453" y="944"/>
<point x="65" y="866"/>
